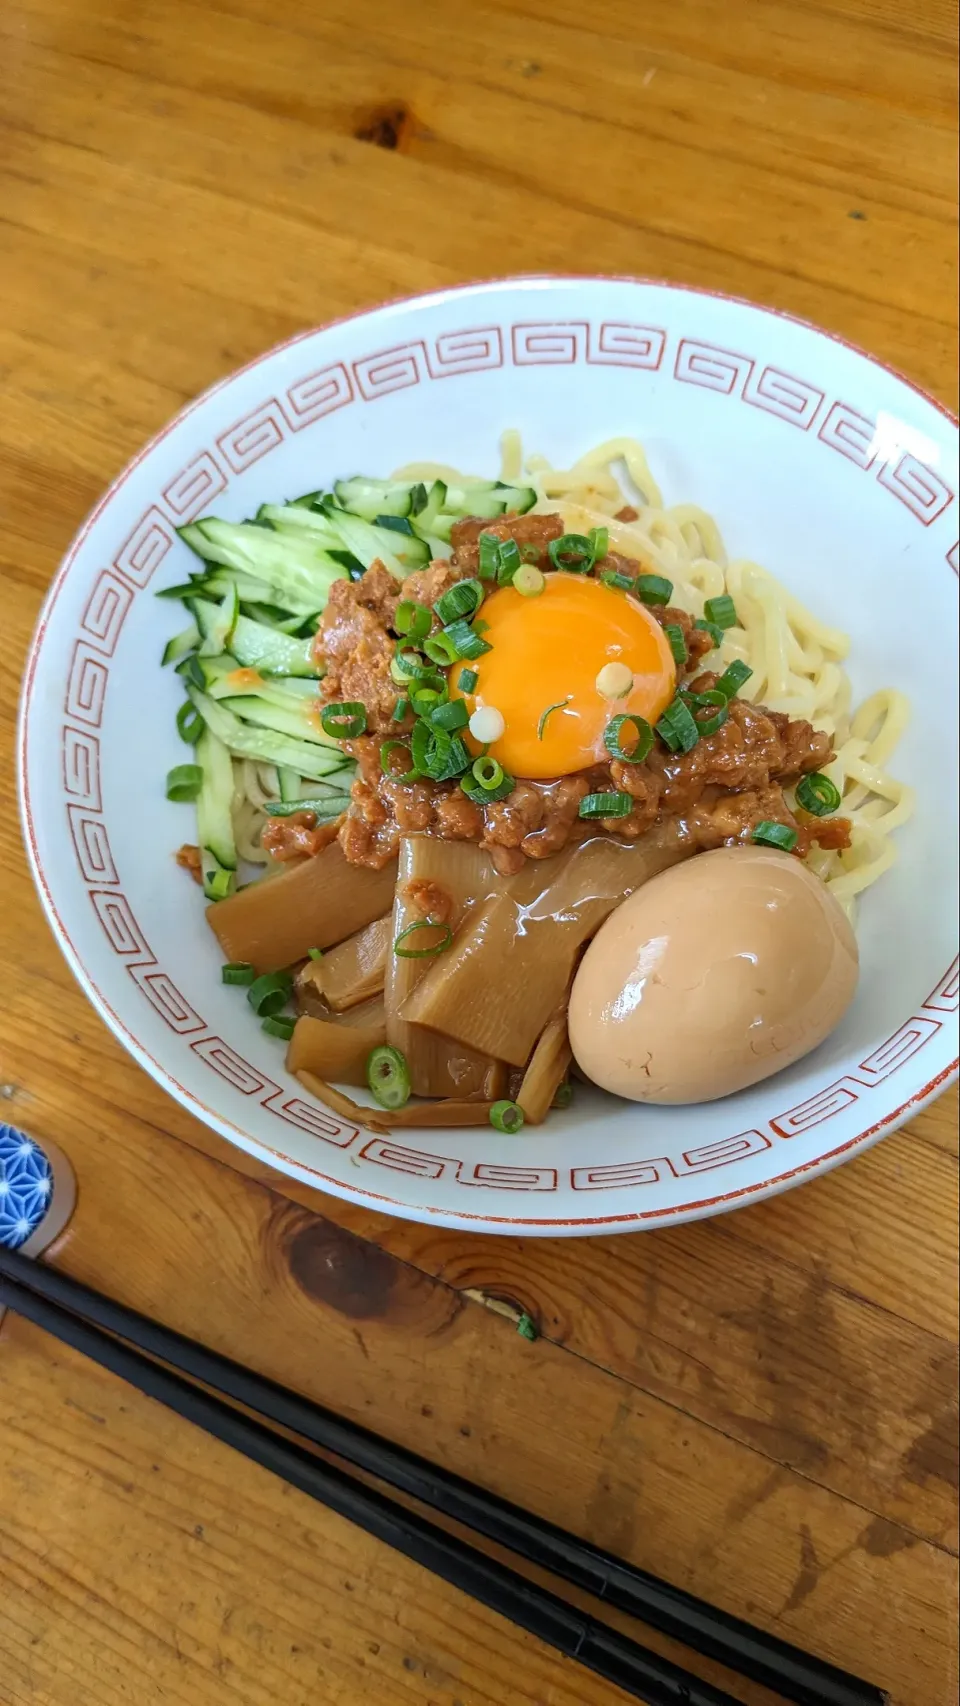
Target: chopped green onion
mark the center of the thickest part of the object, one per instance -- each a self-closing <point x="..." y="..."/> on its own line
<point x="529" y="552"/>
<point x="606" y="805"/>
<point x="483" y="796"/>
<point x="451" y="716"/>
<point x="400" y="710"/>
<point x="467" y="680"/>
<point x="466" y="641"/>
<point x="413" y="620"/>
<point x="425" y="700"/>
<point x="314" y="953"/>
<point x="818" y="795"/>
<point x="489" y="556"/>
<point x="714" y="701"/>
<point x="184" y="782"/>
<point x="563" y="1095"/>
<point x="615" y="578"/>
<point x="440" y="649"/>
<point x="573" y="552"/>
<point x="653" y="589"/>
<point x="529" y="581"/>
<point x="614" y="744"/>
<point x="344" y="721"/>
<point x="464" y="598"/>
<point x="279" y="1025"/>
<point x="388" y="1076"/>
<point x="423" y="953"/>
<point x="549" y="712"/>
<point x="237" y="971"/>
<point x="388" y="748"/>
<point x="190" y="724"/>
<point x="406" y="664"/>
<point x="436" y="754"/>
<point x="677" y="727"/>
<point x="711" y="628"/>
<point x="526" y="1326"/>
<point x="721" y="610"/>
<point x="480" y="627"/>
<point x="677" y="642"/>
<point x="768" y="834"/>
<point x="600" y="541"/>
<point x="510" y="562"/>
<point x="506" y="1116"/>
<point x="218" y="884"/>
<point x="269" y="993"/>
<point x="733" y="678"/>
<point x="487" y="773"/>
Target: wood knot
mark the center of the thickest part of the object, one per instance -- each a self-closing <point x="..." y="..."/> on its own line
<point x="385" y="126"/>
<point x="335" y="1268"/>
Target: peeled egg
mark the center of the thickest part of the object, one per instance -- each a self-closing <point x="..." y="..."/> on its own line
<point x="711" y="977"/>
<point x="541" y="673"/>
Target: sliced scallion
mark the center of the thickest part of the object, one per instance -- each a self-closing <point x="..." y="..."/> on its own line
<point x="467" y="680"/>
<point x="280" y="1025"/>
<point x="440" y="649"/>
<point x="677" y="727"/>
<point x="710" y="710"/>
<point x="572" y="552"/>
<point x="451" y="716"/>
<point x="600" y="541"/>
<point x="269" y="993"/>
<point x="767" y="834"/>
<point x="711" y="628"/>
<point x="529" y="581"/>
<point x="237" y="972"/>
<point x="733" y="678"/>
<point x="466" y="641"/>
<point x="510" y="562"/>
<point x="721" y="610"/>
<point x="426" y="953"/>
<point x="345" y="721"/>
<point x="541" y="726"/>
<point x="606" y="805"/>
<point x="653" y="589"/>
<point x="184" y="782"/>
<point x="489" y="556"/>
<point x="464" y="598"/>
<point x="617" y="579"/>
<point x="190" y="724"/>
<point x="818" y="795"/>
<point x="412" y="620"/>
<point x="507" y="1117"/>
<point x="388" y="1076"/>
<point x="613" y="739"/>
<point x="676" y="641"/>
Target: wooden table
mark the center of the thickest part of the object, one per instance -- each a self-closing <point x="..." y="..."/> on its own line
<point x="759" y="1407"/>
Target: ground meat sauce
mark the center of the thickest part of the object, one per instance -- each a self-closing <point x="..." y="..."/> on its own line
<point x="729" y="782"/>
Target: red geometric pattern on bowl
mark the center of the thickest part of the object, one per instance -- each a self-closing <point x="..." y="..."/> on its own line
<point x="262" y="430"/>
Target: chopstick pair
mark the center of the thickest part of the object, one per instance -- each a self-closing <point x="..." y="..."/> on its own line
<point x="88" y="1321"/>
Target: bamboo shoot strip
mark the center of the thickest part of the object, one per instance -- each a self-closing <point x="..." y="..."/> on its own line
<point x="275" y="922"/>
<point x="355" y="970"/>
<point x="333" y="1052"/>
<point x="510" y="964"/>
<point x="548" y="1067"/>
<point x="463" y="874"/>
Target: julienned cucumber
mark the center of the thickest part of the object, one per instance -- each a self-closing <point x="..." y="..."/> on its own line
<point x="282" y="560"/>
<point x="265" y="746"/>
<point x="256" y="646"/>
<point x="218" y="850"/>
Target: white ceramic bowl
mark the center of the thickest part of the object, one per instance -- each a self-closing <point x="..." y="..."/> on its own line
<point x="818" y="462"/>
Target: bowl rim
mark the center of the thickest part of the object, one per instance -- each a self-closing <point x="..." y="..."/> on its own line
<point x="535" y="1225"/>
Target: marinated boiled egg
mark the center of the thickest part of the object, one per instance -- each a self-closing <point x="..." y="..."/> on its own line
<point x="541" y="674"/>
<point x="712" y="976"/>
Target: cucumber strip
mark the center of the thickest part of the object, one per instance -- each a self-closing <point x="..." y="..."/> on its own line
<point x="370" y="498"/>
<point x="401" y="555"/>
<point x="214" y="817"/>
<point x="303" y="522"/>
<point x="286" y="562"/>
<point x="323" y="806"/>
<point x="435" y="502"/>
<point x="255" y="646"/>
<point x="519" y="498"/>
<point x="237" y="683"/>
<point x="181" y="645"/>
<point x="293" y="717"/>
<point x="257" y="592"/>
<point x="218" y="633"/>
<point x="185" y="589"/>
<point x="289" y="784"/>
<point x="266" y="747"/>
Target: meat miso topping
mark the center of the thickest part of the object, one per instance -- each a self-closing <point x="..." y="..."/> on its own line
<point x="718" y="792"/>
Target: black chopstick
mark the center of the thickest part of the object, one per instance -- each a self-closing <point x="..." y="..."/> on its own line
<point x="642" y="1673"/>
<point x="765" y="1658"/>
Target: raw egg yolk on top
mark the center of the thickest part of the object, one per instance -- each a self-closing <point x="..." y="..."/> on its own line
<point x="547" y="651"/>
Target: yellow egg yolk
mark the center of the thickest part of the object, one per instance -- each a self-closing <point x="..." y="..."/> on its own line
<point x="547" y="651"/>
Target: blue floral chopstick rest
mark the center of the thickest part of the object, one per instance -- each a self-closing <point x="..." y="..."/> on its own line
<point x="26" y="1187"/>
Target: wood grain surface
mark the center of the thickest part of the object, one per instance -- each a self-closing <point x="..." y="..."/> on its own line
<point x="761" y="1408"/>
